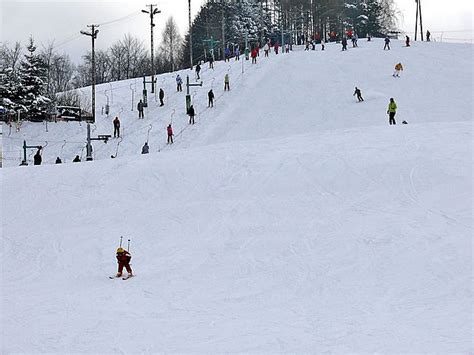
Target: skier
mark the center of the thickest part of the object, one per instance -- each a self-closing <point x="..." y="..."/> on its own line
<point x="226" y="82"/>
<point x="123" y="260"/>
<point x="179" y="83"/>
<point x="37" y="159"/>
<point x="359" y="94"/>
<point x="210" y="95"/>
<point x="198" y="70"/>
<point x="306" y="48"/>
<point x="140" y="109"/>
<point x="287" y="48"/>
<point x="344" y="43"/>
<point x="169" y="130"/>
<point x="355" y="39"/>
<point x="407" y="41"/>
<point x="58" y="160"/>
<point x="116" y="127"/>
<point x="275" y="47"/>
<point x="266" y="49"/>
<point x="322" y="45"/>
<point x="398" y="69"/>
<point x="211" y="61"/>
<point x="145" y="148"/>
<point x="227" y="54"/>
<point x="162" y="96"/>
<point x="237" y="53"/>
<point x="428" y="36"/>
<point x="254" y="56"/>
<point x="387" y="43"/>
<point x="76" y="159"/>
<point x="191" y="114"/>
<point x="391" y="111"/>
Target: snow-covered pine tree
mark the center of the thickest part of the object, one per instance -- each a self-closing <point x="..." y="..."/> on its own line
<point x="32" y="74"/>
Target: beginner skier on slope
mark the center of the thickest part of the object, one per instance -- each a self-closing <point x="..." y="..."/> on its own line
<point x="398" y="69"/>
<point x="123" y="260"/>
<point x="359" y="94"/>
<point x="391" y="111"/>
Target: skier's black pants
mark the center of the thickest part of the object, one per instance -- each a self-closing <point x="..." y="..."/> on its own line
<point x="140" y="114"/>
<point x="116" y="131"/>
<point x="392" y="118"/>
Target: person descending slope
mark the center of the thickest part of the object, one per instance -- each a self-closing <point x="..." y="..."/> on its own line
<point x="198" y="70"/>
<point x="116" y="127"/>
<point x="344" y="43"/>
<point x="191" y="114"/>
<point x="266" y="49"/>
<point x="146" y="148"/>
<point x="140" y="107"/>
<point x="123" y="260"/>
<point x="398" y="69"/>
<point x="359" y="94"/>
<point x="407" y="41"/>
<point x="391" y="111"/>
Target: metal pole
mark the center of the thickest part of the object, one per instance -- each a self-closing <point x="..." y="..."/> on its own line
<point x="152" y="50"/>
<point x="93" y="72"/>
<point x="190" y="37"/>
<point x="89" y="145"/>
<point x="416" y="22"/>
<point x="24" y="151"/>
<point x="421" y="20"/>
<point x="223" y="30"/>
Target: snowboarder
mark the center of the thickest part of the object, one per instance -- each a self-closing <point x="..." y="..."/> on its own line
<point x="387" y="43"/>
<point x="169" y="130"/>
<point x="407" y="41"/>
<point x="210" y="95"/>
<point x="140" y="107"/>
<point x="428" y="36"/>
<point x="37" y="159"/>
<point x="359" y="94"/>
<point x="266" y="49"/>
<point x="226" y="82"/>
<point x="116" y="127"/>
<point x="398" y="69"/>
<point x="198" y="70"/>
<point x="76" y="159"/>
<point x="191" y="114"/>
<point x="344" y="43"/>
<point x="391" y="111"/>
<point x="162" y="96"/>
<point x="254" y="56"/>
<point x="146" y="148"/>
<point x="123" y="260"/>
<point x="179" y="83"/>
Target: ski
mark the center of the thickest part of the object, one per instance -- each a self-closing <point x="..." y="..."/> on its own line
<point x="127" y="277"/>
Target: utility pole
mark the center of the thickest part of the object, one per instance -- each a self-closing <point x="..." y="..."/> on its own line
<point x="93" y="35"/>
<point x="418" y="15"/>
<point x="223" y="29"/>
<point x="190" y="36"/>
<point x="153" y="11"/>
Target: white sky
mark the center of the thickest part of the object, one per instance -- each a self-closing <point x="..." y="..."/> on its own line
<point x="63" y="19"/>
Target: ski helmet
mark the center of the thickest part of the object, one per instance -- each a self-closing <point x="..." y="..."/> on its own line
<point x="120" y="250"/>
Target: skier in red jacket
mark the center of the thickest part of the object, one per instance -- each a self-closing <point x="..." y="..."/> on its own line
<point x="123" y="259"/>
<point x="254" y="55"/>
<point x="170" y="134"/>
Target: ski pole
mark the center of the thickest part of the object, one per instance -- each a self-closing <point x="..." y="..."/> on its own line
<point x="121" y="242"/>
<point x="128" y="248"/>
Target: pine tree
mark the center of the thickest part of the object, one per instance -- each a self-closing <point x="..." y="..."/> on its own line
<point x="32" y="76"/>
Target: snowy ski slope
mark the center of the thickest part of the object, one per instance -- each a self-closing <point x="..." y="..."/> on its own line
<point x="289" y="219"/>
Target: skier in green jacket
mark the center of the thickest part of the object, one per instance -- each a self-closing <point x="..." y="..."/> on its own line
<point x="392" y="110"/>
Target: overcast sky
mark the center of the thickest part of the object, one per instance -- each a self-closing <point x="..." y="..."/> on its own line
<point x="61" y="20"/>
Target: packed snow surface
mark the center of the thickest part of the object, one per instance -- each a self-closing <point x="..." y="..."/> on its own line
<point x="289" y="219"/>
